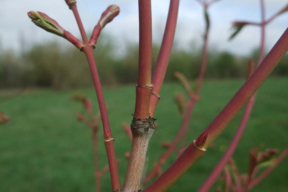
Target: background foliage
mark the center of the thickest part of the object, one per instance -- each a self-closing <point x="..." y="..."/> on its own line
<point x="58" y="67"/>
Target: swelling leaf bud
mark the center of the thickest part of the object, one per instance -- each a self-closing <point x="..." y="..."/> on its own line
<point x="107" y="16"/>
<point x="45" y="22"/>
<point x="237" y="26"/>
<point x="48" y="24"/>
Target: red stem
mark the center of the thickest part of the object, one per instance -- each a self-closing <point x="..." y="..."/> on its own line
<point x="270" y="169"/>
<point x="183" y="129"/>
<point x="164" y="54"/>
<point x="233" y="145"/>
<point x="175" y="171"/>
<point x="79" y="23"/>
<point x="96" y="162"/>
<point x="145" y="42"/>
<point x="228" y="180"/>
<point x="240" y="130"/>
<point x="109" y="141"/>
<point x="144" y="88"/>
<point x="276" y="14"/>
<point x="203" y="65"/>
<point x="192" y="154"/>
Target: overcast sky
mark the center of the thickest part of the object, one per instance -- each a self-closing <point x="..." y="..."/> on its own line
<point x="15" y="23"/>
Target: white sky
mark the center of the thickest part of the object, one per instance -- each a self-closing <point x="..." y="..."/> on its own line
<point x="15" y="23"/>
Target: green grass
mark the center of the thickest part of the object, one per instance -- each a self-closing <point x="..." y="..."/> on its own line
<point x="43" y="148"/>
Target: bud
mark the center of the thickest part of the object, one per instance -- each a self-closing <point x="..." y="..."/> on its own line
<point x="80" y="117"/>
<point x="267" y="155"/>
<point x="253" y="160"/>
<point x="184" y="82"/>
<point x="181" y="103"/>
<point x="166" y="144"/>
<point x="237" y="26"/>
<point x="45" y="22"/>
<point x="159" y="172"/>
<point x="107" y="16"/>
<point x="3" y="118"/>
<point x="70" y="3"/>
<point x="201" y="140"/>
<point x="250" y="68"/>
<point x="87" y="104"/>
<point x="77" y="97"/>
<point x="207" y="20"/>
<point x="239" y="23"/>
<point x="48" y="24"/>
<point x="127" y="155"/>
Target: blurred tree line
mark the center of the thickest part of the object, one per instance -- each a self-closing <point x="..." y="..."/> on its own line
<point x="53" y="66"/>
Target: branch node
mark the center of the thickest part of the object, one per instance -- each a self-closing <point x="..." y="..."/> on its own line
<point x="200" y="148"/>
<point x="155" y="95"/>
<point x="145" y="124"/>
<point x="109" y="139"/>
<point x="145" y="86"/>
<point x="70" y="3"/>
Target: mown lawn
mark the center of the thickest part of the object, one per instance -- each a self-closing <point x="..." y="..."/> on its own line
<point x="43" y="148"/>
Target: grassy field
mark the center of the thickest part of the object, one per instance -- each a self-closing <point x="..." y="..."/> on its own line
<point x="43" y="148"/>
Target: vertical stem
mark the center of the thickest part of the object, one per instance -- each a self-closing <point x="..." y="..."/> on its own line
<point x="203" y="65"/>
<point x="79" y="23"/>
<point x="109" y="141"/>
<point x="96" y="158"/>
<point x="142" y="126"/>
<point x="144" y="87"/>
<point x="183" y="129"/>
<point x="164" y="55"/>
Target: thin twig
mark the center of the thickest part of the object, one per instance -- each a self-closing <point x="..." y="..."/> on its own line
<point x="109" y="141"/>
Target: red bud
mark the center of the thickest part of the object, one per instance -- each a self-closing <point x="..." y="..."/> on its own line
<point x="201" y="140"/>
<point x="87" y="104"/>
<point x="107" y="16"/>
<point x="70" y="2"/>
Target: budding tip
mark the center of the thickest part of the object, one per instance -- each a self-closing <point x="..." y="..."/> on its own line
<point x="31" y="14"/>
<point x="114" y="8"/>
<point x="70" y="2"/>
<point x="201" y="140"/>
<point x="176" y="74"/>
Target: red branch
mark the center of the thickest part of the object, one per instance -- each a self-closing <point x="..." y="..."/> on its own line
<point x="144" y="87"/>
<point x="183" y="129"/>
<point x="109" y="141"/>
<point x="229" y="152"/>
<point x="192" y="154"/>
<point x="164" y="55"/>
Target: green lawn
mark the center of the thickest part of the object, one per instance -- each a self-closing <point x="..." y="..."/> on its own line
<point x="43" y="148"/>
